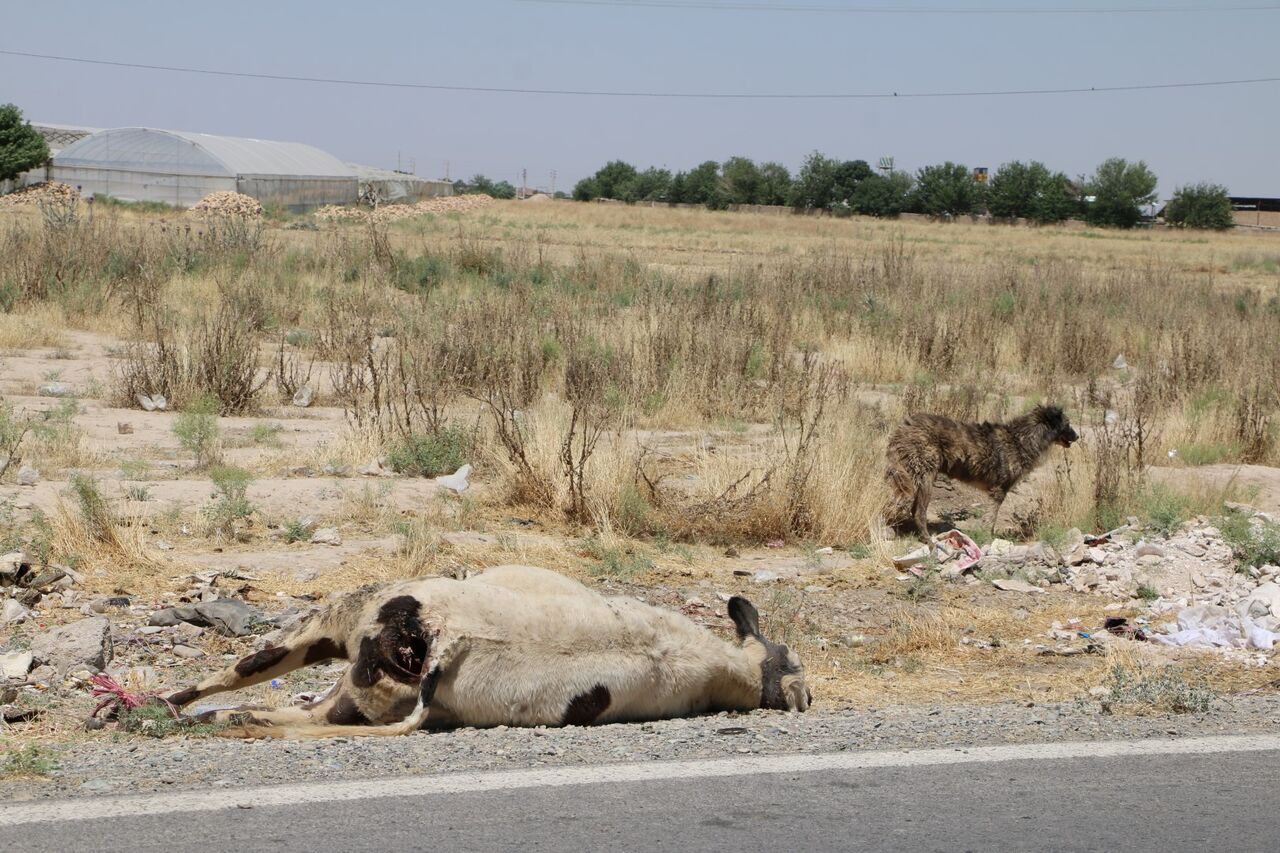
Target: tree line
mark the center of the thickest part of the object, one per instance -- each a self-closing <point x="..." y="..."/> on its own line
<point x="1116" y="194"/>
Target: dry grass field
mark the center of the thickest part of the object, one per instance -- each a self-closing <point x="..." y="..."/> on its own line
<point x="675" y="404"/>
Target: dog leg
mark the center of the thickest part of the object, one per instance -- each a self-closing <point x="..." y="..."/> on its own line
<point x="312" y="643"/>
<point x="920" y="511"/>
<point x="997" y="495"/>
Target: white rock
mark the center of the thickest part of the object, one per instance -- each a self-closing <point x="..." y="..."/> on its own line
<point x="326" y="536"/>
<point x="12" y="612"/>
<point x="1015" y="585"/>
<point x="54" y="389"/>
<point x="16" y="665"/>
<point x="28" y="476"/>
<point x="457" y="481"/>
<point x="1120" y="363"/>
<point x="1097" y="555"/>
<point x="187" y="653"/>
<point x="303" y="397"/>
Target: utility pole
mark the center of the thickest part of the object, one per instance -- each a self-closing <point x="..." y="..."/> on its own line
<point x="524" y="183"/>
<point x="446" y="170"/>
<point x="553" y="183"/>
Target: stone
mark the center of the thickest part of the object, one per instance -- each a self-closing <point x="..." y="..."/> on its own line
<point x="326" y="536"/>
<point x="187" y="653"/>
<point x="1150" y="560"/>
<point x="54" y="389"/>
<point x="1015" y="585"/>
<point x="13" y="612"/>
<point x="302" y="399"/>
<point x="228" y="616"/>
<point x="373" y="469"/>
<point x="1120" y="363"/>
<point x="1146" y="549"/>
<point x="1097" y="555"/>
<point x="1194" y="550"/>
<point x="79" y="645"/>
<point x="28" y="476"/>
<point x="16" y="665"/>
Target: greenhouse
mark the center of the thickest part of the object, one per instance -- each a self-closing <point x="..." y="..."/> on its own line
<point x="180" y="168"/>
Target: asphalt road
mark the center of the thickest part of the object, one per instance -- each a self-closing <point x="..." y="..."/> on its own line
<point x="1211" y="794"/>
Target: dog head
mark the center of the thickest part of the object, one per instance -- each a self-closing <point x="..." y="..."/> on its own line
<point x="1059" y="427"/>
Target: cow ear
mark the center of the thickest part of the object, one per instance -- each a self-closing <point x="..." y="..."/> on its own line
<point x="745" y="618"/>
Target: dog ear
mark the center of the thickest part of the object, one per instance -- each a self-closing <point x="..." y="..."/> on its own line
<point x="1054" y="417"/>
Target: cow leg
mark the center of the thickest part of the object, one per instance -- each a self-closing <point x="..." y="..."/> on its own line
<point x="312" y="643"/>
<point x="336" y="722"/>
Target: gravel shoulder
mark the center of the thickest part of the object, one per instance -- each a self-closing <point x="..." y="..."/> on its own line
<point x="98" y="766"/>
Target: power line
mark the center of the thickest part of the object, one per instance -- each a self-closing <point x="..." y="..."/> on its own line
<point x="752" y="96"/>
<point x="736" y="6"/>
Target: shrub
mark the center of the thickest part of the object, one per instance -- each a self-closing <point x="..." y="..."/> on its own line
<point x="1030" y="191"/>
<point x="197" y="430"/>
<point x="1253" y="542"/>
<point x="430" y="454"/>
<point x="883" y="195"/>
<point x="231" y="504"/>
<point x="1201" y="206"/>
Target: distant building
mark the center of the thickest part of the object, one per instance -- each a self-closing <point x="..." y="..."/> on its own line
<point x="180" y="168"/>
<point x="1256" y="212"/>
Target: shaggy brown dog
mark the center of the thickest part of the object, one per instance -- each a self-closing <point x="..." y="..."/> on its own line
<point x="991" y="456"/>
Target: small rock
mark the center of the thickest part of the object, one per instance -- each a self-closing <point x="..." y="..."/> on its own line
<point x="765" y="576"/>
<point x="373" y="469"/>
<point x="13" y="612"/>
<point x="187" y="652"/>
<point x="1097" y="555"/>
<point x="123" y="428"/>
<point x="1015" y="585"/>
<point x="1194" y="550"/>
<point x="54" y="389"/>
<point x="1146" y="549"/>
<point x="83" y="644"/>
<point x="326" y="536"/>
<point x="302" y="399"/>
<point x="28" y="476"/>
<point x="16" y="665"/>
<point x="731" y="552"/>
<point x="1150" y="560"/>
<point x="1120" y="363"/>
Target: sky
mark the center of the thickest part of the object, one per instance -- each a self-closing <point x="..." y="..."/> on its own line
<point x="1227" y="135"/>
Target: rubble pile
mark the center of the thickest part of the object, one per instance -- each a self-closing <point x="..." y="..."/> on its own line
<point x="1192" y="577"/>
<point x="228" y="204"/>
<point x="397" y="212"/>
<point x="51" y="191"/>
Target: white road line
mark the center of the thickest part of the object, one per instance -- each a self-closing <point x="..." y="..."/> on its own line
<point x="97" y="808"/>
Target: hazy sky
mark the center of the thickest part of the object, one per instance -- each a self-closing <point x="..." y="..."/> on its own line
<point x="1229" y="135"/>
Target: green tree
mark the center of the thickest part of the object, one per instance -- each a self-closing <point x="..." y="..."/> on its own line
<point x="1030" y="191"/>
<point x="1201" y="206"/>
<point x="947" y="190"/>
<point x="21" y="147"/>
<point x="883" y="195"/>
<point x="1120" y="190"/>
<point x="653" y="184"/>
<point x="481" y="184"/>
<point x="586" y="190"/>
<point x="613" y="177"/>
<point x="702" y="186"/>
<point x="815" y="185"/>
<point x="742" y="181"/>
<point x="847" y="176"/>
<point x="775" y="183"/>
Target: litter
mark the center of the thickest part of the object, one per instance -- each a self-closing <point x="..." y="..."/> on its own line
<point x="1208" y="626"/>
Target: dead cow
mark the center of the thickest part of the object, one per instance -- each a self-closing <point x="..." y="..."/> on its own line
<point x="516" y="646"/>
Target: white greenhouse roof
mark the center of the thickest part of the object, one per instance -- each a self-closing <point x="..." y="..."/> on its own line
<point x="144" y="149"/>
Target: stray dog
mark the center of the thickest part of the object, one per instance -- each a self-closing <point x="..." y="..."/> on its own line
<point x="516" y="646"/>
<point x="991" y="456"/>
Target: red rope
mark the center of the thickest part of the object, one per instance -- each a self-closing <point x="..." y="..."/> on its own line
<point x="115" y="694"/>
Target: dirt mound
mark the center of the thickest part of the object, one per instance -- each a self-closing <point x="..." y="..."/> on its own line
<point x="53" y="191"/>
<point x="228" y="204"/>
<point x="397" y="212"/>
